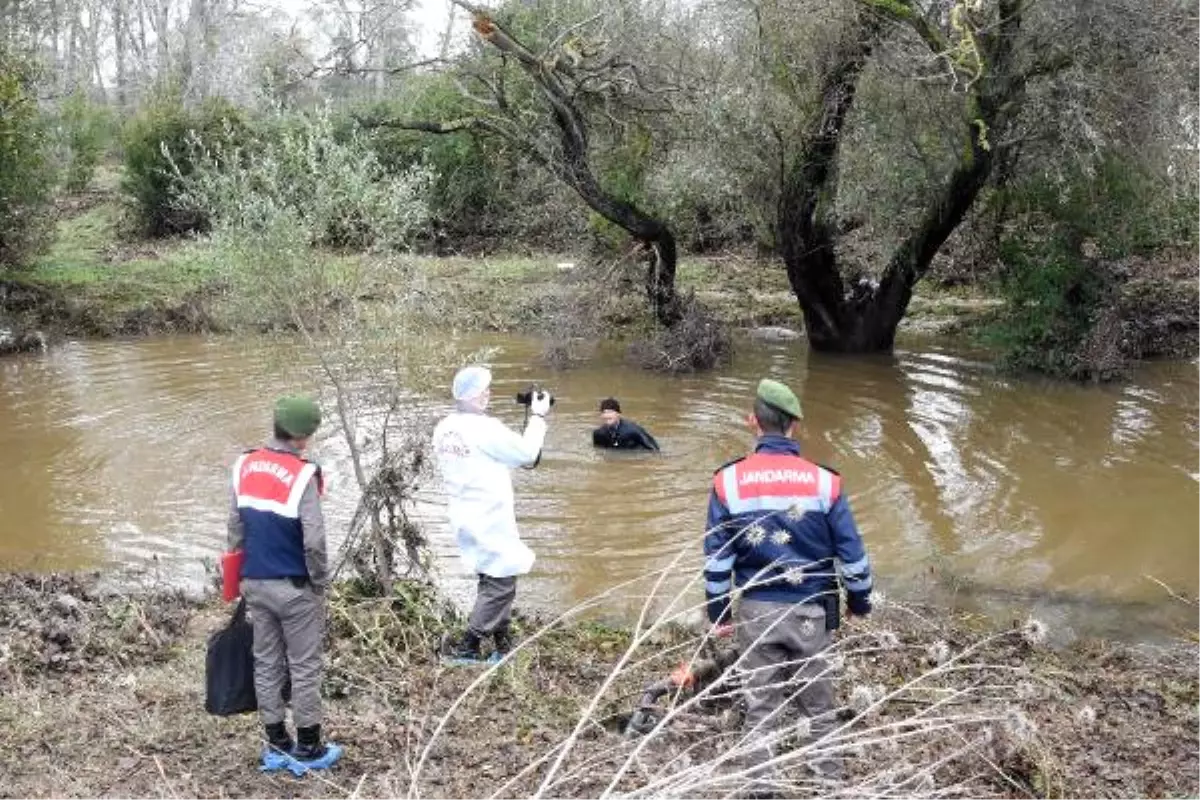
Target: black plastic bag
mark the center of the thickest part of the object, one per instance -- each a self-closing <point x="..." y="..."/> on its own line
<point x="229" y="667"/>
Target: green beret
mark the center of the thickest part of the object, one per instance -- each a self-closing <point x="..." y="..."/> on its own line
<point x="775" y="394"/>
<point x="298" y="416"/>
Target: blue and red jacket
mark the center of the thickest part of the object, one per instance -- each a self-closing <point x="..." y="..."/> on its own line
<point x="777" y="524"/>
<point x="268" y="484"/>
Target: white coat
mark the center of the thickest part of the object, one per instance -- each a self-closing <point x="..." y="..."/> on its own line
<point x="475" y="453"/>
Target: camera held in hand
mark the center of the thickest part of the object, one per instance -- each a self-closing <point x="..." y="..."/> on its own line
<point x="526" y="397"/>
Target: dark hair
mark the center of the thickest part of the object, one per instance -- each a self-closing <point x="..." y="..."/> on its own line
<point x="282" y="435"/>
<point x="610" y="404"/>
<point x="770" y="418"/>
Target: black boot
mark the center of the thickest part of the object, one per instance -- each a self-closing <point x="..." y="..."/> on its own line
<point x="278" y="737"/>
<point x="504" y="639"/>
<point x="466" y="650"/>
<point x="309" y="746"/>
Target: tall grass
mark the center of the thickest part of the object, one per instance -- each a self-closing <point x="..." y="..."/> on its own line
<point x="949" y="728"/>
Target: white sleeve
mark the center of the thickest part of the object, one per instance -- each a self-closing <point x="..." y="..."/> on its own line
<point x="511" y="448"/>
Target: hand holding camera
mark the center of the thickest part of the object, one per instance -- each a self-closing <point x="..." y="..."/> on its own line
<point x="538" y="400"/>
<point x="541" y="403"/>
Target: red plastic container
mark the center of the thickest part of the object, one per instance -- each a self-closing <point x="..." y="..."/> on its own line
<point x="231" y="574"/>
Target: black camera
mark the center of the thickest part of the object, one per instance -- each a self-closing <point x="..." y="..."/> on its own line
<point x="526" y="397"/>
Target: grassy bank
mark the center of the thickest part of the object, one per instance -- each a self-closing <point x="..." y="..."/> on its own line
<point x="102" y="694"/>
<point x="97" y="280"/>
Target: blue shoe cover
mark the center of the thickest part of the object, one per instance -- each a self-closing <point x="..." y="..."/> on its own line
<point x="273" y="760"/>
<point x="452" y="661"/>
<point x="463" y="662"/>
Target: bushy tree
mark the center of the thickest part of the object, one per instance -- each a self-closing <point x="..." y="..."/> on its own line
<point x="1065" y="241"/>
<point x="305" y="187"/>
<point x="573" y="86"/>
<point x="332" y="188"/>
<point x="27" y="177"/>
<point x="467" y="194"/>
<point x="889" y="120"/>
<point x="85" y="133"/>
<point x="158" y="154"/>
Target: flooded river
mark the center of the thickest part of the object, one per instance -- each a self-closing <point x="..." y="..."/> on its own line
<point x="1005" y="495"/>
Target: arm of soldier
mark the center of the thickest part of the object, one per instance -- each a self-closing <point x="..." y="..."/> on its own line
<point x="236" y="530"/>
<point x="719" y="558"/>
<point x="511" y="448"/>
<point x="312" y="523"/>
<point x="600" y="437"/>
<point x="854" y="565"/>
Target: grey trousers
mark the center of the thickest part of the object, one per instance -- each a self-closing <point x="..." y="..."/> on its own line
<point x="289" y="631"/>
<point x="493" y="605"/>
<point x="782" y="643"/>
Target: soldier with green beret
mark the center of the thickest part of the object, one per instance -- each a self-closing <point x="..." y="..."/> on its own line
<point x="781" y="536"/>
<point x="275" y="519"/>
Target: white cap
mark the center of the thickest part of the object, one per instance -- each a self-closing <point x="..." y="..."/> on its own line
<point x="471" y="382"/>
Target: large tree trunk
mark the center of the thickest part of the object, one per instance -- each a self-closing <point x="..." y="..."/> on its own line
<point x="863" y="317"/>
<point x="71" y="71"/>
<point x="991" y="104"/>
<point x="805" y="220"/>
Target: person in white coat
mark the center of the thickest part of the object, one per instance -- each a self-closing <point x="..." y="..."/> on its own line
<point x="475" y="453"/>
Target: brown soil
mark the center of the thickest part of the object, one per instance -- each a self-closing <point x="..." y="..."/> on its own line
<point x="1158" y="307"/>
<point x="101" y="694"/>
<point x="33" y="307"/>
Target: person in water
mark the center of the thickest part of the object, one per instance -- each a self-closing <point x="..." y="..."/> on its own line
<point x="618" y="432"/>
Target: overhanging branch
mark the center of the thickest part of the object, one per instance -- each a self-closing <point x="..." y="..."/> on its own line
<point x="904" y="12"/>
<point x="569" y="162"/>
<point x="452" y="126"/>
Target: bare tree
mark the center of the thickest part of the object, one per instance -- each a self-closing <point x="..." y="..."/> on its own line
<point x="120" y="20"/>
<point x="576" y="81"/>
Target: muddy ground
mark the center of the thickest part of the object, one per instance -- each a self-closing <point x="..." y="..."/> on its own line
<point x="101" y="694"/>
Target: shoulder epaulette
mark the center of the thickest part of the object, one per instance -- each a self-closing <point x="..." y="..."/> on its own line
<point x="729" y="464"/>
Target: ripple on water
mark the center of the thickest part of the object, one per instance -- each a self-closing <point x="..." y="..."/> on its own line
<point x="124" y="451"/>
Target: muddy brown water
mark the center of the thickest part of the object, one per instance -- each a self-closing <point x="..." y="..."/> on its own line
<point x="1004" y="495"/>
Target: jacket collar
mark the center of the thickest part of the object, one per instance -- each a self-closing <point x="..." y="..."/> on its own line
<point x="281" y="446"/>
<point x="774" y="443"/>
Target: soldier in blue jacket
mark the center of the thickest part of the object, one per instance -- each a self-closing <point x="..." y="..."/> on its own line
<point x="780" y="531"/>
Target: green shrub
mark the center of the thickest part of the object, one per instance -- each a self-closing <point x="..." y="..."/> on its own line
<point x="1062" y="239"/>
<point x="86" y="131"/>
<point x="159" y="153"/>
<point x="468" y="179"/>
<point x="326" y="183"/>
<point x="26" y="176"/>
<point x="1054" y="297"/>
